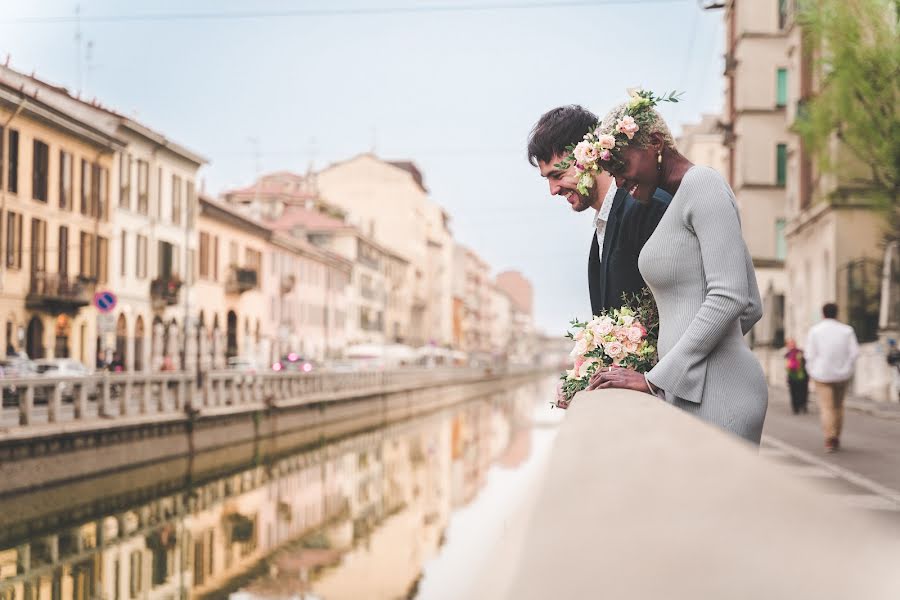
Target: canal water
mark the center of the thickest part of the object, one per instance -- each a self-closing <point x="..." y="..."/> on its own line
<point x="409" y="511"/>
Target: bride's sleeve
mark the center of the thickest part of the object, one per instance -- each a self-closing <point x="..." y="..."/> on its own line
<point x="710" y="212"/>
<point x="754" y="311"/>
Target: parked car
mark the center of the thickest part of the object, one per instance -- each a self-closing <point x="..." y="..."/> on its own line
<point x="247" y="367"/>
<point x="294" y="363"/>
<point x="14" y="366"/>
<point x="65" y="367"/>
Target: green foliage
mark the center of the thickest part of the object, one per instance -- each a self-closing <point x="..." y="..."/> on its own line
<point x="854" y="47"/>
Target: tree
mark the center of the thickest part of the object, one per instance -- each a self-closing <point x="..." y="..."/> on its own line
<point x="856" y="52"/>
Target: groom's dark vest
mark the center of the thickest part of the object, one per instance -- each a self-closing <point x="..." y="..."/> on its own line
<point x="628" y="228"/>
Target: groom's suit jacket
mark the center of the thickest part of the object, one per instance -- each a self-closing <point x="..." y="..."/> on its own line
<point x="629" y="226"/>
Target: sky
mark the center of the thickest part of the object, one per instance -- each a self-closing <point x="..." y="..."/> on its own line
<point x="454" y="86"/>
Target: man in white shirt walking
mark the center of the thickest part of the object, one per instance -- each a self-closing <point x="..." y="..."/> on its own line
<point x="831" y="352"/>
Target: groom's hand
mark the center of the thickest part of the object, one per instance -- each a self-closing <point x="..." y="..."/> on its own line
<point x="619" y="378"/>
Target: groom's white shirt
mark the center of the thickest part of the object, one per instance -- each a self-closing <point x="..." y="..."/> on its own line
<point x="602" y="217"/>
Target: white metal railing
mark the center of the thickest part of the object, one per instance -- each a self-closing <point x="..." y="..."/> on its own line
<point x="39" y="400"/>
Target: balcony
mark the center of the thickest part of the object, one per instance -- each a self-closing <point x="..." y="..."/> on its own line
<point x="240" y="280"/>
<point x="164" y="291"/>
<point x="56" y="294"/>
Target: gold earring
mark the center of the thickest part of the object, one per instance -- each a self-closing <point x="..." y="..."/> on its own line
<point x="659" y="161"/>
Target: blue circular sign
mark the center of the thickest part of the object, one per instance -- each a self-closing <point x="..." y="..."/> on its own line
<point x="105" y="301"/>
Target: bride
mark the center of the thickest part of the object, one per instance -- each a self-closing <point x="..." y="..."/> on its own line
<point x="699" y="270"/>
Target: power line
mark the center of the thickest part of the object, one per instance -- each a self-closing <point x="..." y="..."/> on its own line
<point x="326" y="12"/>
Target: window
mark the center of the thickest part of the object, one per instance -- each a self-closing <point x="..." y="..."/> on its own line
<point x="204" y="255"/>
<point x="780" y="239"/>
<point x="65" y="180"/>
<point x="176" y="199"/>
<point x="13" y="240"/>
<point x="123" y="253"/>
<point x="215" y="258"/>
<point x="86" y="208"/>
<point x="102" y="270"/>
<point x="232" y="254"/>
<point x="159" y="193"/>
<point x="40" y="169"/>
<point x="781" y="88"/>
<point x="191" y="205"/>
<point x="62" y="259"/>
<point x="86" y="261"/>
<point x="254" y="261"/>
<point x="165" y="260"/>
<point x="38" y="246"/>
<point x="103" y="197"/>
<point x="13" y="145"/>
<point x="140" y="253"/>
<point x="125" y="180"/>
<point x="143" y="187"/>
<point x="781" y="164"/>
<point x="782" y="13"/>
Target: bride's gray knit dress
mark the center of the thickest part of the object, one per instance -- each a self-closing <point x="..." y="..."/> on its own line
<point x="700" y="272"/>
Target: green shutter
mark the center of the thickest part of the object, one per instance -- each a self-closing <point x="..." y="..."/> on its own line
<point x="781" y="164"/>
<point x="781" y="88"/>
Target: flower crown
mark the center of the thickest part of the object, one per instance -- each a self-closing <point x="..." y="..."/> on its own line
<point x="598" y="146"/>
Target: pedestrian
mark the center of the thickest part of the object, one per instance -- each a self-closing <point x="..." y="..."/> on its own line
<point x="797" y="377"/>
<point x="893" y="359"/>
<point x="831" y="353"/>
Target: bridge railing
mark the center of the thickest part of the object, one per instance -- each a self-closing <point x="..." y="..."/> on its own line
<point x="37" y="400"/>
<point x="638" y="499"/>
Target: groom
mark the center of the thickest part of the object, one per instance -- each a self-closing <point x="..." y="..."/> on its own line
<point x="622" y="224"/>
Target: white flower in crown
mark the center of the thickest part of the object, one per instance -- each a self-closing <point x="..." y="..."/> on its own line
<point x="627" y="126"/>
<point x="585" y="182"/>
<point x="586" y="153"/>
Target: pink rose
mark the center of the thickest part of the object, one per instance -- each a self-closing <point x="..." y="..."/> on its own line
<point x="631" y="347"/>
<point x="614" y="350"/>
<point x="627" y="126"/>
<point x="601" y="327"/>
<point x="621" y="333"/>
<point x="586" y="153"/>
<point x="635" y="334"/>
<point x="607" y="142"/>
<point x="606" y="155"/>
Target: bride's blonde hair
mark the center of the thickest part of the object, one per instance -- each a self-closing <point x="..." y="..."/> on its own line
<point x="654" y="123"/>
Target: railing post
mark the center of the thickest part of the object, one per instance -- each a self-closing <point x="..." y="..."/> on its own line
<point x="179" y="395"/>
<point x="103" y="409"/>
<point x="26" y="406"/>
<point x="54" y="404"/>
<point x="126" y="392"/>
<point x="163" y="399"/>
<point x="82" y="402"/>
<point x="146" y="393"/>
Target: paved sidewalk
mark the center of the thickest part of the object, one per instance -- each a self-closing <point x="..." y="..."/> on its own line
<point x="884" y="410"/>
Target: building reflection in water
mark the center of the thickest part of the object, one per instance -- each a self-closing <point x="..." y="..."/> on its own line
<point x="354" y="518"/>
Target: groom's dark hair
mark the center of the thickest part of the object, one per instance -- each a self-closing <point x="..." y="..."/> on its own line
<point x="557" y="129"/>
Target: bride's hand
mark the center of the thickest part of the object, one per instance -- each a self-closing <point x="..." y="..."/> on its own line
<point x="617" y="377"/>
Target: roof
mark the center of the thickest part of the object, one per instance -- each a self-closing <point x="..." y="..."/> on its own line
<point x="411" y="168"/>
<point x="33" y="104"/>
<point x="404" y="165"/>
<point x="221" y="211"/>
<point x="94" y="113"/>
<point x="312" y="220"/>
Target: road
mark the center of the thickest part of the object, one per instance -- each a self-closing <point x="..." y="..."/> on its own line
<point x="864" y="474"/>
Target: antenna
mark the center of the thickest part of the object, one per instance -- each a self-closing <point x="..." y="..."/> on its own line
<point x="78" y="48"/>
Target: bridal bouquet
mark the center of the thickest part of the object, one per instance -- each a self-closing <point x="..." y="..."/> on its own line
<point x="622" y="337"/>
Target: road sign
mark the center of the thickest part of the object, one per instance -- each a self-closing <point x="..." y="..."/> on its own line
<point x="105" y="301"/>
